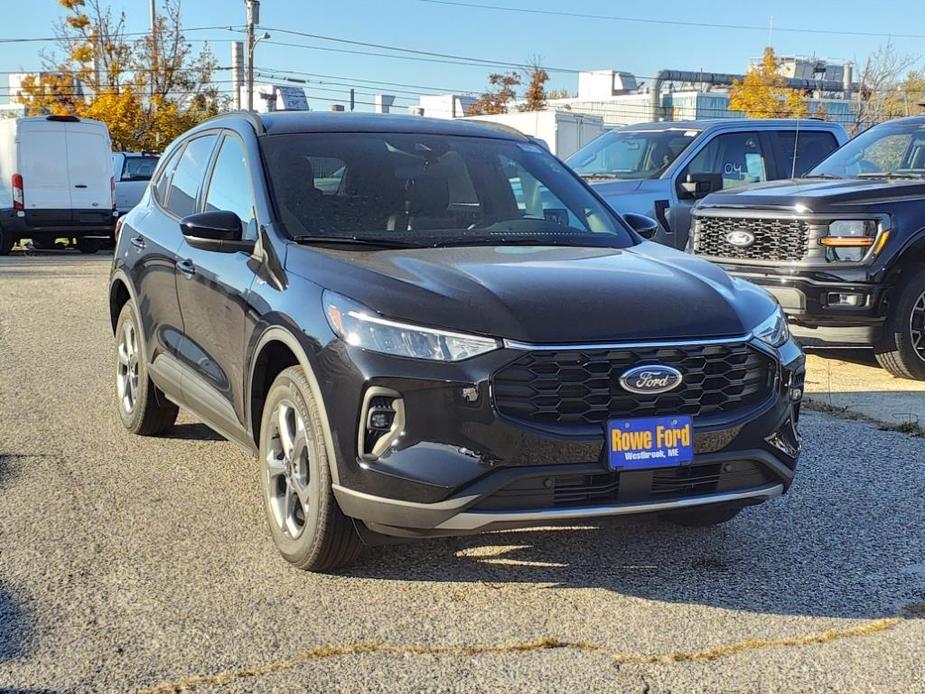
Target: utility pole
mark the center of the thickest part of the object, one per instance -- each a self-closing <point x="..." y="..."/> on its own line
<point x="154" y="57"/>
<point x="253" y="18"/>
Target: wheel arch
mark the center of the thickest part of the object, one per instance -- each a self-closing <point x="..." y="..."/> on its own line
<point x="276" y="350"/>
<point x="120" y="293"/>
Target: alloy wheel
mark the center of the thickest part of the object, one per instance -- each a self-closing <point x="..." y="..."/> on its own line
<point x="287" y="469"/>
<point x="917" y="326"/>
<point x="127" y="368"/>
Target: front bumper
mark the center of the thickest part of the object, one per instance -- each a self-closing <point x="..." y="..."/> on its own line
<point x="816" y="306"/>
<point x="459" y="466"/>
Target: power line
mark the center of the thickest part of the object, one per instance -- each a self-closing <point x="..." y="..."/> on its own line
<point x="46" y="39"/>
<point x="670" y="22"/>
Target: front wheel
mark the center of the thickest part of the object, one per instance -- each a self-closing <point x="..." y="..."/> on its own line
<point x="307" y="525"/>
<point x="901" y="349"/>
<point x="6" y="242"/>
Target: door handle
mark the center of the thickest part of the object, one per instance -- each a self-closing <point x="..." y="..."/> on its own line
<point x="186" y="267"/>
<point x="138" y="242"/>
<point x="80" y="185"/>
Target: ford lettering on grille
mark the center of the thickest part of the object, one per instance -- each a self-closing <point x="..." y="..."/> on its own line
<point x="651" y="380"/>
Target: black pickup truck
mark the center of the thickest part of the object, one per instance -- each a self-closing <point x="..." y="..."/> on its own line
<point x="842" y="248"/>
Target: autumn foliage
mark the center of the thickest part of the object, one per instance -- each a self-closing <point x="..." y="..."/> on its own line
<point x="147" y="91"/>
<point x="763" y="93"/>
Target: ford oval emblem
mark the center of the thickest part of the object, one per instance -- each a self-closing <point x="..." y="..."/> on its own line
<point x="651" y="380"/>
<point x="740" y="238"/>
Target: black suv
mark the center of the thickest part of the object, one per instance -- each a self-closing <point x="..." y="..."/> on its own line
<point x="431" y="327"/>
<point x="842" y="249"/>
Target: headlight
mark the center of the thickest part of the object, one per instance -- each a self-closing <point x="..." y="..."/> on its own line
<point x="849" y="239"/>
<point x="361" y="327"/>
<point x="774" y="330"/>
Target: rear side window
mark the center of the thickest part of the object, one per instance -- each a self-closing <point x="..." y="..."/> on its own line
<point x="163" y="180"/>
<point x="184" y="186"/>
<point x="810" y="148"/>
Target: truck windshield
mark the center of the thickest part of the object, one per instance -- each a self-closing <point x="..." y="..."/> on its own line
<point x="631" y="154"/>
<point x="890" y="150"/>
<point x="407" y="189"/>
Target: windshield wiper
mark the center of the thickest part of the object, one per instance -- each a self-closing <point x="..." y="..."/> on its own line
<point x="522" y="241"/>
<point x="889" y="174"/>
<point x="604" y="176"/>
<point x="354" y="241"/>
<point x="821" y="175"/>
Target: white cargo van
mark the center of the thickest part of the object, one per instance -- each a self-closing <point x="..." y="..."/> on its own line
<point x="55" y="181"/>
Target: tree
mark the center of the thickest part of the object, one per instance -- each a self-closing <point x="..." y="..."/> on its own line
<point x="535" y="96"/>
<point x="147" y="91"/>
<point x="883" y="94"/>
<point x="763" y="93"/>
<point x="559" y="94"/>
<point x="498" y="97"/>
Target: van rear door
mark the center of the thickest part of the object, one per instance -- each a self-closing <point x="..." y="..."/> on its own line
<point x="89" y="164"/>
<point x="43" y="164"/>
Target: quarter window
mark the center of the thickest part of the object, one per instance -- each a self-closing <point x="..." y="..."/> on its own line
<point x="230" y="188"/>
<point x="737" y="157"/>
<point x="163" y="180"/>
<point x="184" y="186"/>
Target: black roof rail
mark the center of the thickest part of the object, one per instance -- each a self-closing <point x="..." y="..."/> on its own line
<point x="63" y="119"/>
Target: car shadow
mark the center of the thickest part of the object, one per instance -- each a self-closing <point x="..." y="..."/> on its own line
<point x="14" y="626"/>
<point x="192" y="431"/>
<point x="846" y="542"/>
<point x="861" y="356"/>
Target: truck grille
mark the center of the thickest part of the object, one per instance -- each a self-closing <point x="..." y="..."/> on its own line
<point x="775" y="239"/>
<point x="581" y="387"/>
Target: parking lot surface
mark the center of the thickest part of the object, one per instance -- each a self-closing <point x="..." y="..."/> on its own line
<point x="144" y="564"/>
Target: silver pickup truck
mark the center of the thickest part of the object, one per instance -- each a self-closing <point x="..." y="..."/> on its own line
<point x="662" y="169"/>
<point x="131" y="172"/>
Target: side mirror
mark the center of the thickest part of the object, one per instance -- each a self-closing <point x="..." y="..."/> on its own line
<point x="642" y="225"/>
<point x="700" y="185"/>
<point x="219" y="231"/>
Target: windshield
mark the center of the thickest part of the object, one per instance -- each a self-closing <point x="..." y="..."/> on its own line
<point x="631" y="154"/>
<point x="891" y="149"/>
<point x="428" y="190"/>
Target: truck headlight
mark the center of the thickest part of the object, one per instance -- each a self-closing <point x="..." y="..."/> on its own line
<point x="359" y="326"/>
<point x="849" y="239"/>
<point x="773" y="331"/>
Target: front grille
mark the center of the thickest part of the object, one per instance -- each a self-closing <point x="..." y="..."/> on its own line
<point x="775" y="239"/>
<point x="627" y="486"/>
<point x="581" y="387"/>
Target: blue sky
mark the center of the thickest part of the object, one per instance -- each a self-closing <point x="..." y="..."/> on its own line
<point x="565" y="42"/>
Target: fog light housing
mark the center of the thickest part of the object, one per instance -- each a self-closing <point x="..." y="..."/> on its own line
<point x="381" y="422"/>
<point x="847" y="299"/>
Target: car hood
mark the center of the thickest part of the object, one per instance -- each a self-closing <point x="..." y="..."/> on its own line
<point x="815" y="193"/>
<point x="543" y="294"/>
<point x="607" y="188"/>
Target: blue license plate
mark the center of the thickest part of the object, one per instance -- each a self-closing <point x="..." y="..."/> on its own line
<point x="638" y="444"/>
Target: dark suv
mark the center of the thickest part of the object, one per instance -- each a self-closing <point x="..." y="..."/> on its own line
<point x="842" y="249"/>
<point x="431" y="327"/>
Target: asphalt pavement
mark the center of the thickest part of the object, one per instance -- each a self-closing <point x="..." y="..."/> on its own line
<point x="143" y="564"/>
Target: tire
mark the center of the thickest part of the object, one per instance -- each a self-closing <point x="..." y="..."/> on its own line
<point x="143" y="408"/>
<point x="901" y="348"/>
<point x="307" y="525"/>
<point x="6" y="242"/>
<point x="703" y="517"/>
<point x="89" y="245"/>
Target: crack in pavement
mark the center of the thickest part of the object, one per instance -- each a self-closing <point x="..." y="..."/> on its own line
<point x="222" y="678"/>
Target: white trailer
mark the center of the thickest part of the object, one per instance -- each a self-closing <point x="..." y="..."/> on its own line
<point x="564" y="133"/>
<point x="56" y="180"/>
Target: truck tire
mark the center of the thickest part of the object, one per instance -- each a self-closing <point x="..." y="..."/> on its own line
<point x="901" y="348"/>
<point x="143" y="408"/>
<point x="703" y="517"/>
<point x="307" y="525"/>
<point x="6" y="242"/>
<point x="89" y="245"/>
